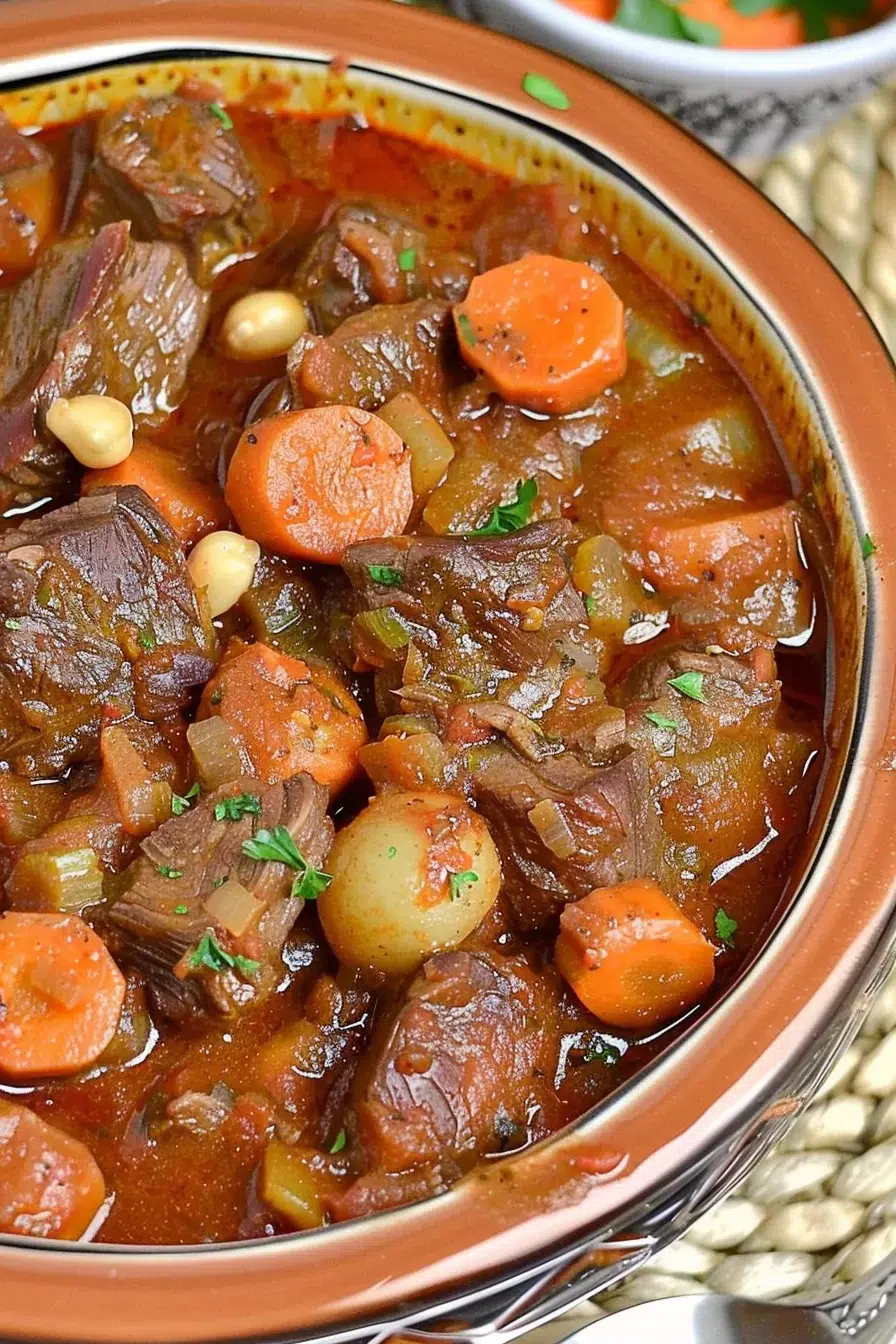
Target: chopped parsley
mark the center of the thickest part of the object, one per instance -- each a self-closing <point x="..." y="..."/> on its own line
<point x="407" y="259"/>
<point x="181" y="909"/>
<point x="544" y="90"/>
<point x="868" y="548"/>
<point x="385" y="575"/>
<point x="511" y="517"/>
<point x="662" y="721"/>
<point x="222" y="114"/>
<point x="657" y="18"/>
<point x="602" y="1052"/>
<point x="590" y="604"/>
<point x="339" y="1142"/>
<point x="689" y="684"/>
<point x="698" y="319"/>
<point x="146" y="638"/>
<point x="219" y="881"/>
<point x="180" y="802"/>
<point x="466" y="329"/>
<point x="458" y="882"/>
<point x="164" y="871"/>
<point x="726" y="927"/>
<point x="278" y="846"/>
<point x="240" y="805"/>
<point x="209" y="953"/>
<point x="216" y="697"/>
<point x="12" y="624"/>
<point x="391" y="852"/>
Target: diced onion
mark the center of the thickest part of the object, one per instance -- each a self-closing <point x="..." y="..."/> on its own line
<point x="56" y="880"/>
<point x="430" y="448"/>
<point x="234" y="908"/>
<point x="215" y="752"/>
<point x="553" y="829"/>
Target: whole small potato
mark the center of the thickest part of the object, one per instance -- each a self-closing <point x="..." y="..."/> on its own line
<point x="413" y="874"/>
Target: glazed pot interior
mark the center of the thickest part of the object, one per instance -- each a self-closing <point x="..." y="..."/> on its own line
<point x="698" y="231"/>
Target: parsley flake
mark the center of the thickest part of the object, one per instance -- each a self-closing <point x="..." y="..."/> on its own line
<point x="689" y="684"/>
<point x="164" y="871"/>
<point x="209" y="953"/>
<point x="466" y="329"/>
<point x="181" y="909"/>
<point x="662" y="721"/>
<point x="699" y="319"/>
<point x="222" y="114"/>
<point x="278" y="846"/>
<point x="219" y="881"/>
<point x="391" y="852"/>
<point x="216" y="697"/>
<point x="510" y="517"/>
<point x="146" y="638"/>
<point x="407" y="259"/>
<point x="180" y="802"/>
<point x="726" y="927"/>
<point x="868" y="548"/>
<point x="12" y="624"/>
<point x="385" y="575"/>
<point x="240" y="805"/>
<point x="458" y="882"/>
<point x="590" y="604"/>
<point x="339" y="1142"/>
<point x="544" y="90"/>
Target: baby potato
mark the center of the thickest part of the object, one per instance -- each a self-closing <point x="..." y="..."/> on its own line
<point x="413" y="874"/>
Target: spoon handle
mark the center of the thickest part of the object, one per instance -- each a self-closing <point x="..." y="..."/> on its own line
<point x="865" y="1309"/>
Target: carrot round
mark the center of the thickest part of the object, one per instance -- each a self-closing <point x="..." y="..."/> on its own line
<point x="309" y="483"/>
<point x="549" y="333"/>
<point x="50" y="1186"/>
<point x="191" y="508"/>
<point x="61" y="991"/>
<point x="287" y="716"/>
<point x="632" y="957"/>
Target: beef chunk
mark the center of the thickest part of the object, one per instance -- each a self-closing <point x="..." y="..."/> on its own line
<point x="99" y="315"/>
<point x="179" y="174"/>
<point x="27" y="198"/>
<point x="527" y="219"/>
<point x="486" y="616"/>
<point x="164" y="915"/>
<point x="98" y="614"/>
<point x="604" y="827"/>
<point x="460" y="1066"/>
<point x="724" y="771"/>
<point x="373" y="356"/>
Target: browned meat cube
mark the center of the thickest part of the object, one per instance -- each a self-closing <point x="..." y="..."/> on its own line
<point x="202" y="952"/>
<point x="180" y="173"/>
<point x="97" y="613"/>
<point x="104" y="315"/>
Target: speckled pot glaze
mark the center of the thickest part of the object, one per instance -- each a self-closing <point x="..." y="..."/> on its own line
<point x="529" y="1235"/>
<point x="745" y="104"/>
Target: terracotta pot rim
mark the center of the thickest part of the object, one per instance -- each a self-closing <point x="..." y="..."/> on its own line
<point x="358" y="1272"/>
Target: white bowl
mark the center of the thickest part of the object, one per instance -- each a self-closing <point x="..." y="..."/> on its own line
<point x="745" y="104"/>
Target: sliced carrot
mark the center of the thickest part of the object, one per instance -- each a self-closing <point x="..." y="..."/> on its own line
<point x="190" y="507"/>
<point x="549" y="333"/>
<point x="769" y="30"/>
<point x="631" y="956"/>
<point x="50" y="1186"/>
<point x="598" y="9"/>
<point x="724" y="555"/>
<point x="287" y="716"/>
<point x="61" y="991"/>
<point x="309" y="483"/>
